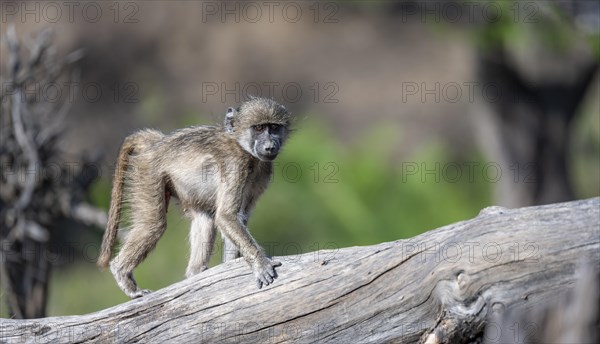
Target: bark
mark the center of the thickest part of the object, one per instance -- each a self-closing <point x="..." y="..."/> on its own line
<point x="439" y="287"/>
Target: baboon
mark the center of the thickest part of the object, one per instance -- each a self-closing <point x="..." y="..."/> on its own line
<point x="217" y="173"/>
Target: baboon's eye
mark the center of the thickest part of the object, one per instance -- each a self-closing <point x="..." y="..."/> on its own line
<point x="259" y="127"/>
<point x="273" y="126"/>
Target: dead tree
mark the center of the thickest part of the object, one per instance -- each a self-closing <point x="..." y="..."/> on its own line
<point x="444" y="286"/>
<point x="37" y="188"/>
<point x="535" y="92"/>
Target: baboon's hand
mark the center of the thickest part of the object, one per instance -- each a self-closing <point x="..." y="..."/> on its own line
<point x="264" y="270"/>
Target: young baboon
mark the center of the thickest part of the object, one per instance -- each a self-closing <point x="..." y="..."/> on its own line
<point x="217" y="173"/>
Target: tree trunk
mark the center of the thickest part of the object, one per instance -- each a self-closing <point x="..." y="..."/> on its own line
<point x="441" y="286"/>
<point x="535" y="85"/>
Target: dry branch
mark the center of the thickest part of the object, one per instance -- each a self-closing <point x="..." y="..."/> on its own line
<point x="441" y="286"/>
<point x="37" y="191"/>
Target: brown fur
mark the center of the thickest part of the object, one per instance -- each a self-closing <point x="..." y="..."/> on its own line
<point x="138" y="141"/>
<point x="215" y="176"/>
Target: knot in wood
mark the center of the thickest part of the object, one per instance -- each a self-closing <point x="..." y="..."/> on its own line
<point x="462" y="279"/>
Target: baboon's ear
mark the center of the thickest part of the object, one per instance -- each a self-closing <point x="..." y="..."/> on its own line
<point x="229" y="116"/>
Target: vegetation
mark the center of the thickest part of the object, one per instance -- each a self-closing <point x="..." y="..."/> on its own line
<point x="347" y="195"/>
<point x="322" y="196"/>
<point x="326" y="194"/>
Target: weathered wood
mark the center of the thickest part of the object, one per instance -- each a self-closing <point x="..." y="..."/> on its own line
<point x="450" y="278"/>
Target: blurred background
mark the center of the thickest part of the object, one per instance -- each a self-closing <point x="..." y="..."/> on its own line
<point x="411" y="115"/>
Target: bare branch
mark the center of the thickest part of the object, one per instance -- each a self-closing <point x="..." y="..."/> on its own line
<point x="89" y="215"/>
<point x="29" y="150"/>
<point x="11" y="295"/>
<point x="32" y="202"/>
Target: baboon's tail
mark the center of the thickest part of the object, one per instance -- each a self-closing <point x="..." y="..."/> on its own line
<point x="116" y="198"/>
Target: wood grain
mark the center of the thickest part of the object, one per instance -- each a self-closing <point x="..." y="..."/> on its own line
<point x="449" y="279"/>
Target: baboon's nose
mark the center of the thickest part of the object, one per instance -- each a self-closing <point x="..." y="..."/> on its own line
<point x="270" y="148"/>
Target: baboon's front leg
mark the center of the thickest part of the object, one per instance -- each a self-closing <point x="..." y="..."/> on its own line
<point x="202" y="239"/>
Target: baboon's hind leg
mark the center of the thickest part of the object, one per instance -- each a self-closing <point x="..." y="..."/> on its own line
<point x="148" y="217"/>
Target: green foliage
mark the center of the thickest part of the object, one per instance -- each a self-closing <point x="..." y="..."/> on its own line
<point x="324" y="195"/>
<point x="519" y="24"/>
<point x="585" y="144"/>
<point x="358" y="195"/>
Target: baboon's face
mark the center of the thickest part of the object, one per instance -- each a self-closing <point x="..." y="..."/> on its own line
<point x="260" y="126"/>
<point x="266" y="140"/>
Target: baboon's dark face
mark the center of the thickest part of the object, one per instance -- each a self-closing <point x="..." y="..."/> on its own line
<point x="267" y="140"/>
<point x="260" y="126"/>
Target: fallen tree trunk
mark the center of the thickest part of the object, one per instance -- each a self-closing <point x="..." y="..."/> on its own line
<point x="439" y="285"/>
